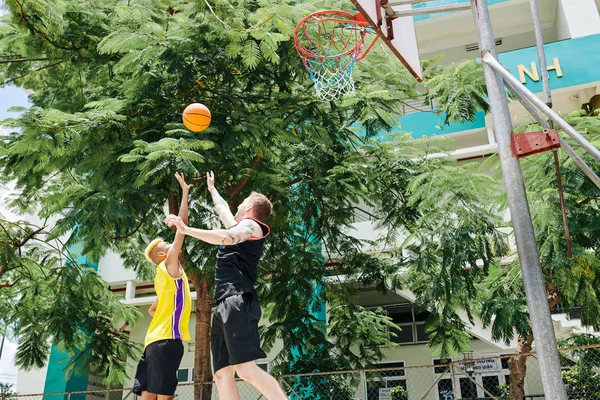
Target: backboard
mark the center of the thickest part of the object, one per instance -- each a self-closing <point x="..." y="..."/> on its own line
<point x="398" y="33"/>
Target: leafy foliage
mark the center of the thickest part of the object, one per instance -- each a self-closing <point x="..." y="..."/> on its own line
<point x="459" y="91"/>
<point x="97" y="152"/>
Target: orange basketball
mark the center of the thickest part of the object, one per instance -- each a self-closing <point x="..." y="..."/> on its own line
<point x="196" y="117"/>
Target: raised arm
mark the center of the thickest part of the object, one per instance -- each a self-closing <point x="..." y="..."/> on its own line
<point x="185" y="190"/>
<point x="221" y="205"/>
<point x="238" y="234"/>
<point x="172" y="260"/>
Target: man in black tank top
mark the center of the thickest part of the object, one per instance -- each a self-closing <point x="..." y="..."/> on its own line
<point x="235" y="344"/>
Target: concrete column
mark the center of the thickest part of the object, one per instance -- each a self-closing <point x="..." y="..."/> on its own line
<point x="576" y="18"/>
<point x="130" y="290"/>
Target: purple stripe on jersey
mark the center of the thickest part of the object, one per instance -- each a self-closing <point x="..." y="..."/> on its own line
<point x="178" y="309"/>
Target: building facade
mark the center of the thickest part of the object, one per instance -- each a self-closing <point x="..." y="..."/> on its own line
<point x="571" y="30"/>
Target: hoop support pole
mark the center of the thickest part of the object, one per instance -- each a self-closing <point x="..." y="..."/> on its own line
<point x="408" y="2"/>
<point x="430" y="10"/>
<point x="531" y="271"/>
<point x="488" y="59"/>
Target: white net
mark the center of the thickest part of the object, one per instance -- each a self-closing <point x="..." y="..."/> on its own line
<point x="329" y="44"/>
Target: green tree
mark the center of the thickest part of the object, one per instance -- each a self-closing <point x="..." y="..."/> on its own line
<point x="6" y="391"/>
<point x="574" y="282"/>
<point x="98" y="149"/>
<point x="103" y="139"/>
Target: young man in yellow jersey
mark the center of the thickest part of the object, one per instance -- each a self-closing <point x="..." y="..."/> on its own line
<point x="235" y="344"/>
<point x="156" y="374"/>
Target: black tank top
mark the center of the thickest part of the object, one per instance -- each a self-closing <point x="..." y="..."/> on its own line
<point x="236" y="268"/>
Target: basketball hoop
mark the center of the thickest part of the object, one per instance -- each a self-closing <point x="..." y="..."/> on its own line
<point x="329" y="43"/>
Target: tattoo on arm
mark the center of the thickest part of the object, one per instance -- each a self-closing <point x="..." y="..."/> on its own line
<point x="243" y="233"/>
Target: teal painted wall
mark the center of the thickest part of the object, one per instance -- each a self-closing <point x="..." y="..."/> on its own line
<point x="444" y="3"/>
<point x="55" y="377"/>
<point x="430" y="124"/>
<point x="579" y="61"/>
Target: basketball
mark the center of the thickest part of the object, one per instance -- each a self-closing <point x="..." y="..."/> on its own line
<point x="196" y="117"/>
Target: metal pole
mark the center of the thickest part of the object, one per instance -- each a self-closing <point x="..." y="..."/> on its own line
<point x="537" y="301"/>
<point x="562" y="203"/>
<point x="489" y="59"/>
<point x="529" y="107"/>
<point x="429" y="10"/>
<point x="539" y="40"/>
<point x="563" y="143"/>
<point x="580" y="163"/>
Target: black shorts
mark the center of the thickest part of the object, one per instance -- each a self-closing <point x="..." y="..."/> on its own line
<point x="234" y="333"/>
<point x="157" y="370"/>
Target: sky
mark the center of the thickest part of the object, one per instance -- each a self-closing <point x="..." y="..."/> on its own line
<point x="10" y="96"/>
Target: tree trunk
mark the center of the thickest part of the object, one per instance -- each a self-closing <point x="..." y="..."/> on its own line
<point x="202" y="369"/>
<point x="517" y="364"/>
<point x="202" y="357"/>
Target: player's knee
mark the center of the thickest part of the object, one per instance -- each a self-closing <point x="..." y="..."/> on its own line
<point x="246" y="371"/>
<point x="224" y="374"/>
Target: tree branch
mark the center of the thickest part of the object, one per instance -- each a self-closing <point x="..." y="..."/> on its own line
<point x="197" y="180"/>
<point x="589" y="200"/>
<point x="42" y="35"/>
<point x="29" y="236"/>
<point x="138" y="226"/>
<point x="24" y="75"/>
<point x="4" y="285"/>
<point x="12" y="240"/>
<point x="18" y="60"/>
<point x="234" y="191"/>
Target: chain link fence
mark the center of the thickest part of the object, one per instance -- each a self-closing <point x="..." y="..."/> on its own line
<point x="466" y="379"/>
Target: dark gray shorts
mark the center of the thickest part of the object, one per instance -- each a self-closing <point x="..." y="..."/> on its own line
<point x="234" y="333"/>
<point x="157" y="370"/>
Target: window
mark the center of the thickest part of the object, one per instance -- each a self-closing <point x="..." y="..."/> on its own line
<point x="444" y="365"/>
<point x="185" y="375"/>
<point x="443" y="377"/>
<point x="411" y="323"/>
<point x="378" y="382"/>
<point x="468" y="389"/>
<point x="492" y="385"/>
<point x="445" y="389"/>
<point x="489" y="373"/>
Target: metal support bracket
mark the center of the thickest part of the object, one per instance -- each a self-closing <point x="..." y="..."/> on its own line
<point x="528" y="143"/>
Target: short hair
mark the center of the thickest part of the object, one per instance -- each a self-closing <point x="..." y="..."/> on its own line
<point x="151" y="247"/>
<point x="261" y="205"/>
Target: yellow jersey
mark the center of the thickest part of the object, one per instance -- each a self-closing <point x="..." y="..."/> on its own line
<point x="172" y="316"/>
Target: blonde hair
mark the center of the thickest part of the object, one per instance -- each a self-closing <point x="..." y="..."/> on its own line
<point x="151" y="247"/>
<point x="261" y="205"/>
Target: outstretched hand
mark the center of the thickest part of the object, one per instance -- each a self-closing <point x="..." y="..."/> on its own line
<point x="210" y="180"/>
<point x="175" y="221"/>
<point x="181" y="179"/>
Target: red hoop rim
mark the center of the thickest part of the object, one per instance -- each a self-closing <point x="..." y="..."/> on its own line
<point x="356" y="19"/>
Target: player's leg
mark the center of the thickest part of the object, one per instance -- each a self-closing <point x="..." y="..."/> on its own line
<point x="148" y="396"/>
<point x="224" y="373"/>
<point x="243" y="343"/>
<point x="261" y="380"/>
<point x="163" y="359"/>
<point x="226" y="386"/>
<point x="140" y="383"/>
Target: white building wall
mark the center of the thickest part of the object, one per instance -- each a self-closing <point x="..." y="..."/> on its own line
<point x="31" y="382"/>
<point x="577" y="18"/>
<point x="111" y="269"/>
